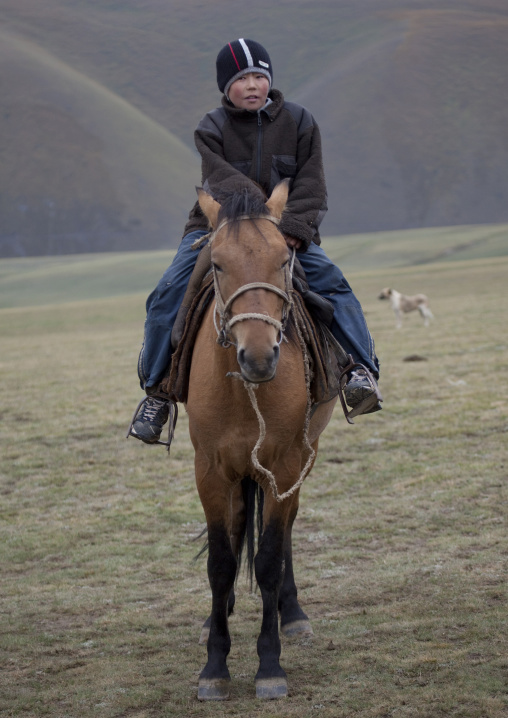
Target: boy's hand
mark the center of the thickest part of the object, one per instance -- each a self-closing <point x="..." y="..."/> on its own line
<point x="292" y="241"/>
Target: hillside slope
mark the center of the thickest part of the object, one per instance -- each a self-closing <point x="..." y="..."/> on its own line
<point x="81" y="169"/>
<point x="410" y="95"/>
<point x="415" y="132"/>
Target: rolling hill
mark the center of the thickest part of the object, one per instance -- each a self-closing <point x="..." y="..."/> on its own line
<point x="86" y="171"/>
<point x="100" y="100"/>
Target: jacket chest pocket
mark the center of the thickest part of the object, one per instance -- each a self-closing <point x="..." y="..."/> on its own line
<point x="283" y="167"/>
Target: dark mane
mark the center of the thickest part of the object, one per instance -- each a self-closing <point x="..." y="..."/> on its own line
<point x="240" y="203"/>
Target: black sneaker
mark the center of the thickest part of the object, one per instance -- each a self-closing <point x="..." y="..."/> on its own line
<point x="153" y="413"/>
<point x="360" y="393"/>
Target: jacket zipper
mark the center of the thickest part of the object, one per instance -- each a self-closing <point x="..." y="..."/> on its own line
<point x="260" y="140"/>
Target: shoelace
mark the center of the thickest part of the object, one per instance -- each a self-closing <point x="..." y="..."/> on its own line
<point x="151" y="408"/>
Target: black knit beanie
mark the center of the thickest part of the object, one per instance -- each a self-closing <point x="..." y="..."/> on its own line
<point x="239" y="57"/>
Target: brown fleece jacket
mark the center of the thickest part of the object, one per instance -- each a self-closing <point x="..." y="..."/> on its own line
<point x="279" y="141"/>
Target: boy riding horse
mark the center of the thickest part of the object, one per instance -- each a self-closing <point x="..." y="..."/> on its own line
<point x="256" y="136"/>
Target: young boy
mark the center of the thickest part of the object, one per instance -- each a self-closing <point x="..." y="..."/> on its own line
<point x="255" y="136"/>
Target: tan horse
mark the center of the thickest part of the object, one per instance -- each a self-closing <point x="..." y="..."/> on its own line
<point x="249" y="416"/>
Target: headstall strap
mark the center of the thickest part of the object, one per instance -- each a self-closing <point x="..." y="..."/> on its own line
<point x="222" y="308"/>
<point x="211" y="236"/>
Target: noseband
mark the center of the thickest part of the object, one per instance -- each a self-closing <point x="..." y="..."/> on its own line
<point x="223" y="308"/>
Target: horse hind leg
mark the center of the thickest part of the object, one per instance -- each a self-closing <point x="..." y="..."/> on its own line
<point x="293" y="620"/>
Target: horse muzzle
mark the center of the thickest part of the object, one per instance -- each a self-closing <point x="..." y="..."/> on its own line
<point x="258" y="367"/>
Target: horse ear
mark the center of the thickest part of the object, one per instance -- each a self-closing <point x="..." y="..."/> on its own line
<point x="278" y="198"/>
<point x="209" y="206"/>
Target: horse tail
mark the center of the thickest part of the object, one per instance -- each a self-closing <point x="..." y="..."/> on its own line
<point x="253" y="499"/>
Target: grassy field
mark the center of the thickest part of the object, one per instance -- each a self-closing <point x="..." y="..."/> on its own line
<point x="400" y="545"/>
<point x="32" y="281"/>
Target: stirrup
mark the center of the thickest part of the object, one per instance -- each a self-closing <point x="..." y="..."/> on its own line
<point x="172" y="419"/>
<point x="368" y="402"/>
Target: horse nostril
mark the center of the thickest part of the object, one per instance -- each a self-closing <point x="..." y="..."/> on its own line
<point x="258" y="367"/>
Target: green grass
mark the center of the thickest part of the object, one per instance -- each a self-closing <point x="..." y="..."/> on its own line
<point x="400" y="545"/>
<point x="56" y="280"/>
<point x="387" y="250"/>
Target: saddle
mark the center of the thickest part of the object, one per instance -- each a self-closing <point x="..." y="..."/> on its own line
<point x="311" y="317"/>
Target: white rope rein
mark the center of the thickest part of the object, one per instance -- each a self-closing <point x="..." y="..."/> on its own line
<point x="262" y="435"/>
<point x="221" y="309"/>
<point x="250" y="388"/>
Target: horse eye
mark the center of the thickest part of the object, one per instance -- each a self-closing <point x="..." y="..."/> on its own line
<point x="216" y="267"/>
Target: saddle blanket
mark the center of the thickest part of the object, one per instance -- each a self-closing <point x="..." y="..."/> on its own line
<point x="325" y="355"/>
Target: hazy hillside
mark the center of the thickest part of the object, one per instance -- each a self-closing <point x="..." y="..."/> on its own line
<point x="82" y="170"/>
<point x="419" y="123"/>
<point x="100" y="99"/>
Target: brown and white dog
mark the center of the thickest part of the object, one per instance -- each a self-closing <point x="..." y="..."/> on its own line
<point x="402" y="304"/>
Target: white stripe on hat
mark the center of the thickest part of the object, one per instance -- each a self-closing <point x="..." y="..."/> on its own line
<point x="250" y="61"/>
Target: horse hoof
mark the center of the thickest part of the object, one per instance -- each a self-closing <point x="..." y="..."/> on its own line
<point x="213" y="689"/>
<point x="203" y="636"/>
<point x="297" y="628"/>
<point x="271" y="688"/>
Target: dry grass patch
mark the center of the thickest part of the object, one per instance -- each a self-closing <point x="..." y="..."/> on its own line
<point x="400" y="545"/>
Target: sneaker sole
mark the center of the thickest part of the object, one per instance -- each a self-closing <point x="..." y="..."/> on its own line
<point x="357" y="396"/>
<point x="367" y="406"/>
<point x="147" y="439"/>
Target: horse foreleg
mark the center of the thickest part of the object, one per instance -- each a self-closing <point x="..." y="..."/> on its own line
<point x="214" y="678"/>
<point x="237" y="534"/>
<point x="269" y="567"/>
<point x="205" y="629"/>
<point x="293" y="620"/>
<point x="215" y="493"/>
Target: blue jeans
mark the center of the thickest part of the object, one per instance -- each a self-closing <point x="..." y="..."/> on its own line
<point x="348" y="327"/>
<point x="161" y="309"/>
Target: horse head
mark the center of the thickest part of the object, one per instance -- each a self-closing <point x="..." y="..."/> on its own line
<point x="250" y="261"/>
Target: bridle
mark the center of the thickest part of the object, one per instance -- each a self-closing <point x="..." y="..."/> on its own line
<point x="222" y="310"/>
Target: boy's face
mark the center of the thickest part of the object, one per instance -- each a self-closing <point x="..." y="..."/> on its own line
<point x="250" y="91"/>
